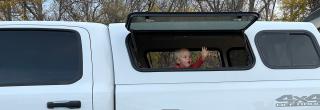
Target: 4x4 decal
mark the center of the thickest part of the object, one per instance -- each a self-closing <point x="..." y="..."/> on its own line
<point x="292" y="101"/>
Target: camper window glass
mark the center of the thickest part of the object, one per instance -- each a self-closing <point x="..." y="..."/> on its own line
<point x="238" y="57"/>
<point x="288" y="49"/>
<point x="164" y="51"/>
<point x="39" y="57"/>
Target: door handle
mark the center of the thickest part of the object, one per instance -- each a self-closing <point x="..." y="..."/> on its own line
<point x="67" y="104"/>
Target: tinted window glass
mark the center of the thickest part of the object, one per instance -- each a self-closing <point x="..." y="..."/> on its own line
<point x="288" y="50"/>
<point x="238" y="57"/>
<point x="39" y="57"/>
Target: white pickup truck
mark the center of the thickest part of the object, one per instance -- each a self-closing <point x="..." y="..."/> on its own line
<point x="253" y="65"/>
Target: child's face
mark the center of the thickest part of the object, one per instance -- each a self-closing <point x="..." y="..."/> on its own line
<point x="184" y="58"/>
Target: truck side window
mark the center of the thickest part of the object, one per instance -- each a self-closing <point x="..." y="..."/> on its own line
<point x="39" y="57"/>
<point x="288" y="49"/>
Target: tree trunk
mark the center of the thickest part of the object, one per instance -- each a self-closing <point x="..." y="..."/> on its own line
<point x="251" y="5"/>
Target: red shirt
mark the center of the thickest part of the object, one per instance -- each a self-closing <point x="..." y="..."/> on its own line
<point x="197" y="64"/>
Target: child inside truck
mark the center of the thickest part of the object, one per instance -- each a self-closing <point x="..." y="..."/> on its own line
<point x="183" y="58"/>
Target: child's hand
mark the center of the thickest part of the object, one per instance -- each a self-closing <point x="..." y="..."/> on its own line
<point x="204" y="53"/>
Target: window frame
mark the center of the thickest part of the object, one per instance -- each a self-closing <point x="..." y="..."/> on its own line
<point x="74" y="80"/>
<point x="290" y="32"/>
<point x="145" y="70"/>
<point x="189" y="14"/>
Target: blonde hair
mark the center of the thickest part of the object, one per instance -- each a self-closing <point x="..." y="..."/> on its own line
<point x="177" y="52"/>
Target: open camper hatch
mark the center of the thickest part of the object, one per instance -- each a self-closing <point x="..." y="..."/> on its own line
<point x="154" y="38"/>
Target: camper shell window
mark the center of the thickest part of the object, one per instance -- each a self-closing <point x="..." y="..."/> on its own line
<point x="156" y="38"/>
<point x="283" y="49"/>
<point x="154" y="51"/>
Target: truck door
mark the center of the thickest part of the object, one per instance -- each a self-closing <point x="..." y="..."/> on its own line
<point x="45" y="67"/>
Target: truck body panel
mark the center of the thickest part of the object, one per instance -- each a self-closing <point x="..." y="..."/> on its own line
<point x="110" y="82"/>
<point x="126" y="74"/>
<point x="259" y="88"/>
<point x="255" y="95"/>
